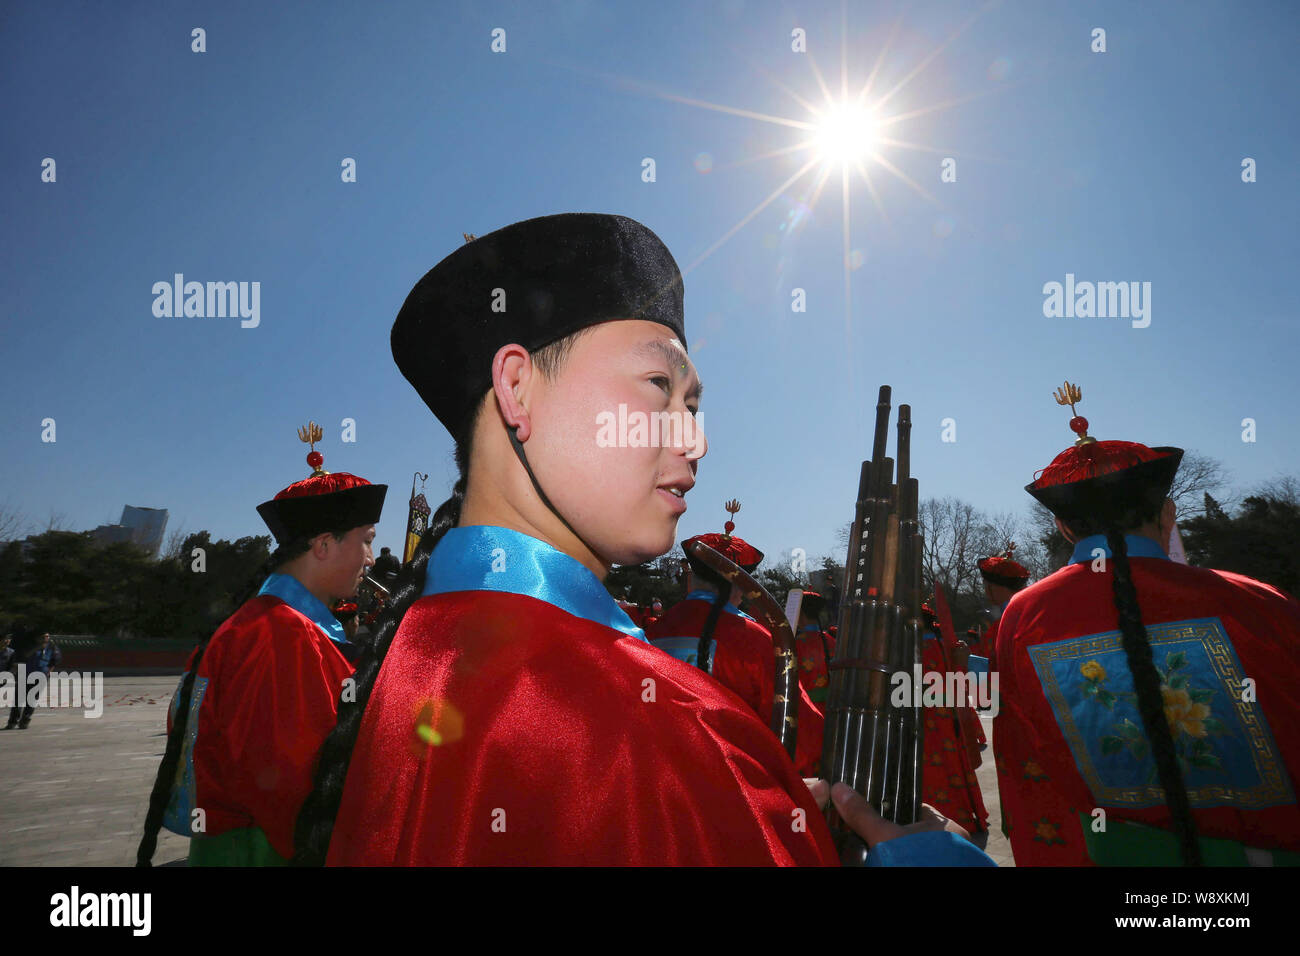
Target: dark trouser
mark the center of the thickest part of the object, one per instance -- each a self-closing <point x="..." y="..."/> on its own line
<point x="20" y="715"/>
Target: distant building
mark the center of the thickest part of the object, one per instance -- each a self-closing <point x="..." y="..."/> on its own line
<point x="143" y="527"/>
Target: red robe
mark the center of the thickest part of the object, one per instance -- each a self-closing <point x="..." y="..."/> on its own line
<point x="983" y="647"/>
<point x="503" y="730"/>
<point x="1061" y="671"/>
<point x="814" y="650"/>
<point x="948" y="782"/>
<point x="270" y="681"/>
<point x="744" y="663"/>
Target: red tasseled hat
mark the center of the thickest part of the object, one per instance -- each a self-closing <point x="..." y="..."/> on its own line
<point x="736" y="550"/>
<point x="1003" y="569"/>
<point x="1103" y="479"/>
<point x="321" y="502"/>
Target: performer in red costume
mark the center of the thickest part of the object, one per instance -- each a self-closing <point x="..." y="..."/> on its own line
<point x="519" y="716"/>
<point x="1003" y="578"/>
<point x="948" y="780"/>
<point x="815" y="648"/>
<point x="707" y="629"/>
<point x="1148" y="708"/>
<point x="259" y="696"/>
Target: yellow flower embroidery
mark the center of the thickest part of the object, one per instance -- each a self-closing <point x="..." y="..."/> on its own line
<point x="1184" y="714"/>
<point x="1047" y="832"/>
<point x="1093" y="671"/>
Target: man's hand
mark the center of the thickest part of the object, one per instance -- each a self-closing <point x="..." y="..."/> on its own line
<point x="862" y="818"/>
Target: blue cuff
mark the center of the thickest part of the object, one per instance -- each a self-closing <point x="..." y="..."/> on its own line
<point x="932" y="848"/>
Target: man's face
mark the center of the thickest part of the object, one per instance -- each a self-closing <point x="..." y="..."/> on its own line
<point x="346" y="561"/>
<point x="610" y="480"/>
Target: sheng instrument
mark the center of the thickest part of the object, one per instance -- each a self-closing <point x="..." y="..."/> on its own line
<point x="871" y="743"/>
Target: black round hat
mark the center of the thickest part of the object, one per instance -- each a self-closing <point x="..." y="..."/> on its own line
<point x="531" y="283"/>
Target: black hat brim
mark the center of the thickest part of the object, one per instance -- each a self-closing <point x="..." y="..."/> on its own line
<point x="1117" y="495"/>
<point x="306" y="516"/>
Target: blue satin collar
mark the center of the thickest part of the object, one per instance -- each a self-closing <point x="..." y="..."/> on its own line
<point x="487" y="558"/>
<point x="1138" y="547"/>
<point x="703" y="594"/>
<point x="291" y="591"/>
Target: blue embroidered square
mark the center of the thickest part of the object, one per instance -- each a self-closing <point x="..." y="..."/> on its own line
<point x="1225" y="748"/>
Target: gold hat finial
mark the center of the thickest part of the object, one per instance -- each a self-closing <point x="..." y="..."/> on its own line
<point x="311" y="433"/>
<point x="1068" y="395"/>
<point x="732" y="507"/>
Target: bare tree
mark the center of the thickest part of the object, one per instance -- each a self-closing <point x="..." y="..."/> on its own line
<point x="958" y="535"/>
<point x="57" y="521"/>
<point x="1197" y="475"/>
<point x="952" y="530"/>
<point x="1285" y="489"/>
<point x="13" y="523"/>
<point x="173" y="550"/>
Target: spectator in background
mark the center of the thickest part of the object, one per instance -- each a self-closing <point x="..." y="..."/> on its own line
<point x="44" y="655"/>
<point x="386" y="567"/>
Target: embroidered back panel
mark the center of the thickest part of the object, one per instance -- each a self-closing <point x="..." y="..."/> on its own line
<point x="1225" y="748"/>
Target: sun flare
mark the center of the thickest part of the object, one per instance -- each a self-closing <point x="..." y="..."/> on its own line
<point x="846" y="134"/>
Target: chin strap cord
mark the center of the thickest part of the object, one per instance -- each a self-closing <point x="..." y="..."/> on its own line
<point x="523" y="460"/>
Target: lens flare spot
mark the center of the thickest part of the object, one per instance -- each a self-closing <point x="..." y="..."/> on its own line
<point x="437" y="723"/>
<point x="943" y="227"/>
<point x="856" y="259"/>
<point x="1000" y="69"/>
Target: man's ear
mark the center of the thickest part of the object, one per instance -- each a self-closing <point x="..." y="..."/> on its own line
<point x="320" y="545"/>
<point x="1065" y="532"/>
<point x="512" y="374"/>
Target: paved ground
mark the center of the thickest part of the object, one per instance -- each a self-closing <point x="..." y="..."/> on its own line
<point x="998" y="846"/>
<point x="73" y="791"/>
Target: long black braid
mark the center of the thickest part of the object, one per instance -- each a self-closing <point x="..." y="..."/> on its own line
<point x="710" y="623"/>
<point x="163" y="783"/>
<point x="1146" y="683"/>
<point x="315" y="823"/>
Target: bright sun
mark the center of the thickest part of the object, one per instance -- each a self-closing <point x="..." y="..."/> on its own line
<point x="846" y="134"/>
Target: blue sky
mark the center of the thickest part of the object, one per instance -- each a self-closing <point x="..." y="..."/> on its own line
<point x="225" y="166"/>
